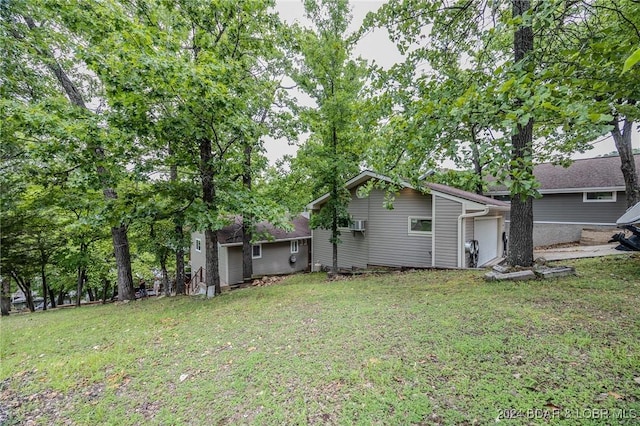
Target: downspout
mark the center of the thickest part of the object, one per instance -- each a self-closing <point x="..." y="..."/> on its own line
<point x="461" y="243"/>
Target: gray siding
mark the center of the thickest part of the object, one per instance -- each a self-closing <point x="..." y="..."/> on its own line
<point x="386" y="241"/>
<point x="234" y="262"/>
<point x="571" y="208"/>
<point x="354" y="247"/>
<point x="352" y="251"/>
<point x="223" y="258"/>
<point x="390" y="243"/>
<point x="197" y="258"/>
<point x="275" y="258"/>
<point x="446" y="232"/>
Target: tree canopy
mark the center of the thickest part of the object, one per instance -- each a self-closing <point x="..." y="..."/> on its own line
<point x="127" y="125"/>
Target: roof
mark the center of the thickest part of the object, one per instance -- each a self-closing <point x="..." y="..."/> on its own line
<point x="589" y="173"/>
<point x="444" y="189"/>
<point x="232" y="234"/>
<point x="467" y="195"/>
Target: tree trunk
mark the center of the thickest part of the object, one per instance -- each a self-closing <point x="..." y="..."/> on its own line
<point x="247" y="251"/>
<point x="335" y="233"/>
<point x="521" y="226"/>
<point x="25" y="287"/>
<point x="123" y="262"/>
<point x="622" y="139"/>
<point x="80" y="284"/>
<point x="165" y="275"/>
<point x="105" y="289"/>
<point x="61" y="296"/>
<point x="247" y="220"/>
<point x="5" y="297"/>
<point x="477" y="164"/>
<point x="45" y="288"/>
<point x="52" y="297"/>
<point x="119" y="234"/>
<point x="29" y="296"/>
<point x="180" y="275"/>
<point x="212" y="274"/>
<point x="91" y="294"/>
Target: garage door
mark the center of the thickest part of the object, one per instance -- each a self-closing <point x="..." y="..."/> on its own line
<point x="486" y="232"/>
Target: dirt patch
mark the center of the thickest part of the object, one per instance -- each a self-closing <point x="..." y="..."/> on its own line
<point x="558" y="245"/>
<point x="30" y="409"/>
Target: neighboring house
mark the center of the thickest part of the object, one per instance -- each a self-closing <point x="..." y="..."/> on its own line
<point x="589" y="194"/>
<point x="426" y="228"/>
<point x="281" y="253"/>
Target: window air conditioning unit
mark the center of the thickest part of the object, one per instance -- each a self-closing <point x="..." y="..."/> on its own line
<point x="357" y="225"/>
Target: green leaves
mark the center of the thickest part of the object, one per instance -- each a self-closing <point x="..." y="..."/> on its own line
<point x="631" y="61"/>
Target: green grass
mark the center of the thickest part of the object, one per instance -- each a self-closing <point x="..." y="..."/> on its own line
<point x="431" y="347"/>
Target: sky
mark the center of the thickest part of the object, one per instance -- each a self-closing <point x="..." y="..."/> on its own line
<point x="376" y="46"/>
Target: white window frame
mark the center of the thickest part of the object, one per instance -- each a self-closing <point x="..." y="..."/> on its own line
<point x="412" y="232"/>
<point x="609" y="200"/>
<point x="253" y="255"/>
<point x="295" y="246"/>
<point x="198" y="245"/>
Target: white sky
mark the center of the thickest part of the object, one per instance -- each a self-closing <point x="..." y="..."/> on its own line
<point x="376" y="46"/>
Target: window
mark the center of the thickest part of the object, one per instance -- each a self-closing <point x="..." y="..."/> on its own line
<point x="198" y="244"/>
<point x="419" y="225"/>
<point x="256" y="251"/>
<point x="599" y="197"/>
<point x="294" y="246"/>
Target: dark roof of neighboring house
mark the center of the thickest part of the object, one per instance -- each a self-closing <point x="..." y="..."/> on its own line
<point x="599" y="172"/>
<point x="232" y="234"/>
<point x="467" y="195"/>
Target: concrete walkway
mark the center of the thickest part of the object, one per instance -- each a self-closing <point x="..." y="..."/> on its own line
<point x="578" y="252"/>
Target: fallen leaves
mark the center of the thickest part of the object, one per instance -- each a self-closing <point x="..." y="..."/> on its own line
<point x="601" y="397"/>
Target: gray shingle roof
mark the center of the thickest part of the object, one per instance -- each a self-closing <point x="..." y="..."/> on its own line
<point x="600" y="172"/>
<point x="232" y="234"/>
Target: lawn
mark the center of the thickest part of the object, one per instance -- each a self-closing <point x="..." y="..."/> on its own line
<point x="428" y="347"/>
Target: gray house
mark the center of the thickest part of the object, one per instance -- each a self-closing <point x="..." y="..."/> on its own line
<point x="589" y="194"/>
<point x="281" y="252"/>
<point x="426" y="227"/>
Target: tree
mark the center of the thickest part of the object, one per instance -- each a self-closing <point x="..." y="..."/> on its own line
<point x="508" y="93"/>
<point x="599" y="36"/>
<point x="521" y="224"/>
<point x="40" y="46"/>
<point x="335" y="81"/>
<point x="192" y="64"/>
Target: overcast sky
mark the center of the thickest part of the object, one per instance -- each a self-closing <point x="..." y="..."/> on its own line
<point x="376" y="46"/>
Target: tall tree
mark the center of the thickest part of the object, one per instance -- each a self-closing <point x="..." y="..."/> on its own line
<point x="521" y="224"/>
<point x="39" y="42"/>
<point x="597" y="38"/>
<point x="334" y="80"/>
<point x="508" y="91"/>
<point x="192" y="63"/>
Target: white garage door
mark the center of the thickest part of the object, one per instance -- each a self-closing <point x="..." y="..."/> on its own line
<point x="486" y="232"/>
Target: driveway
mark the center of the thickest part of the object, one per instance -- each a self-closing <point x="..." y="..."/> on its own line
<point x="577" y="252"/>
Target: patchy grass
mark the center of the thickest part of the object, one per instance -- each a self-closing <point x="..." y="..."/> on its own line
<point x="432" y="347"/>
